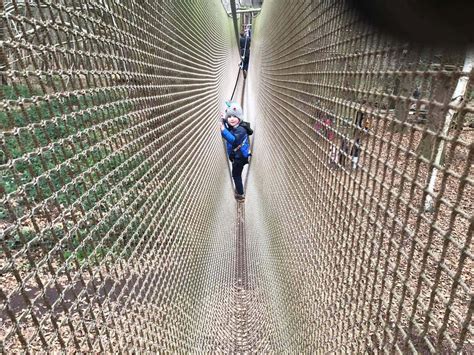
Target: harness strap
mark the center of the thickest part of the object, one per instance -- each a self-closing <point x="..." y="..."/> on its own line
<point x="239" y="146"/>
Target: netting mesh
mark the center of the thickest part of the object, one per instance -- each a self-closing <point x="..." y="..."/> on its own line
<point x="349" y="128"/>
<point x="118" y="226"/>
<point x="110" y="184"/>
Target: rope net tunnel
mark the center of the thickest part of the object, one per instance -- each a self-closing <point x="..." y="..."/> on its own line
<point x="119" y="229"/>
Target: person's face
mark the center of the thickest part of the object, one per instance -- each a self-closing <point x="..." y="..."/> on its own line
<point x="233" y="121"/>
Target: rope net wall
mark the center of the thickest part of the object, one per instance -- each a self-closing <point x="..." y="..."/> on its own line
<point x="112" y="196"/>
<point x="118" y="226"/>
<point x="357" y="252"/>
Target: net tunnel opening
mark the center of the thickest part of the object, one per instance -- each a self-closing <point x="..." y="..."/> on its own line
<point x="119" y="230"/>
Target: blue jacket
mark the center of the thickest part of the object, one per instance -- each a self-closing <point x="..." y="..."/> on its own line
<point x="234" y="137"/>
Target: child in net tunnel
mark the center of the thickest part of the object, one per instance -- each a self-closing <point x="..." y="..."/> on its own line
<point x="237" y="142"/>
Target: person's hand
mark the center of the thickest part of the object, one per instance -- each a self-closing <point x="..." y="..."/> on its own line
<point x="222" y="126"/>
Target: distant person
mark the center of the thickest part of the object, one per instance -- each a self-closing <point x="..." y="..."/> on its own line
<point x="244" y="52"/>
<point x="248" y="31"/>
<point x="343" y="152"/>
<point x="355" y="153"/>
<point x="238" y="147"/>
<point x="416" y="94"/>
<point x="332" y="156"/>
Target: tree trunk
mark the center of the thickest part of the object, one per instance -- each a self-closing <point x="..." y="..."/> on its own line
<point x="396" y="90"/>
<point x="3" y="57"/>
<point x="404" y="86"/>
<point x="441" y="93"/>
<point x="402" y="107"/>
<point x="457" y="97"/>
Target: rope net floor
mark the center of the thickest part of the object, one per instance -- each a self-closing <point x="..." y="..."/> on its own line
<point x="119" y="231"/>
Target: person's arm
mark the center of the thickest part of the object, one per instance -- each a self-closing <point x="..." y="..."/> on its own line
<point x="235" y="138"/>
<point x="229" y="137"/>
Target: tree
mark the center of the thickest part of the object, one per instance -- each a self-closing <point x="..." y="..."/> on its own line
<point x="441" y="92"/>
<point x="3" y="57"/>
<point x="456" y="101"/>
<point x="404" y="87"/>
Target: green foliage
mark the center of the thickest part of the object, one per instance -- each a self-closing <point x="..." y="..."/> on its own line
<point x="82" y="252"/>
<point x="13" y="92"/>
<point x="73" y="248"/>
<point x="34" y="122"/>
<point x="44" y="123"/>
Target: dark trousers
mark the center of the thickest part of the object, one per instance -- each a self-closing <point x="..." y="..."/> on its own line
<point x="237" y="167"/>
<point x="245" y="63"/>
